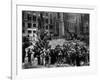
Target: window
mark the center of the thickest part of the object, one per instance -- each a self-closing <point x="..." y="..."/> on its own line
<point x="34" y="18"/>
<point x="51" y="27"/>
<point x="51" y="21"/>
<point x="34" y="25"/>
<point x="23" y="24"/>
<point x="46" y="27"/>
<point x="29" y="17"/>
<point x="29" y="25"/>
<point x="29" y="31"/>
<point x="34" y="31"/>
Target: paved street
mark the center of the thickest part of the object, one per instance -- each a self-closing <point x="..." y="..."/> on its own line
<point x="26" y="66"/>
<point x="56" y="42"/>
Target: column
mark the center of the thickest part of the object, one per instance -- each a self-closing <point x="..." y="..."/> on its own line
<point x="61" y="25"/>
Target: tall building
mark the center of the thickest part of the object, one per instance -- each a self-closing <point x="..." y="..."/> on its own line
<point x="76" y="23"/>
<point x="38" y="21"/>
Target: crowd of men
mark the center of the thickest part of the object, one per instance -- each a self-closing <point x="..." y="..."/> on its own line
<point x="72" y="53"/>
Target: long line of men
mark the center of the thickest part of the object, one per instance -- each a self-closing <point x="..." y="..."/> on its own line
<point x="72" y="54"/>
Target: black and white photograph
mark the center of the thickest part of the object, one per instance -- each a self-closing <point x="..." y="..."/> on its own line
<point x="55" y="39"/>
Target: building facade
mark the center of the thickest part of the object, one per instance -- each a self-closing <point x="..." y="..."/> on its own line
<point x="58" y="24"/>
<point x="33" y="22"/>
